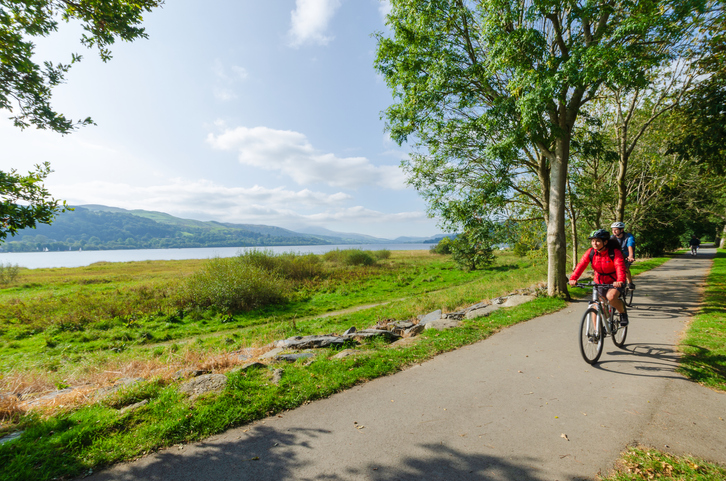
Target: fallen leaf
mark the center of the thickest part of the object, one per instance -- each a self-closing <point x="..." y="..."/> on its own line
<point x="256" y="458"/>
<point x="563" y="435"/>
<point x="519" y="371"/>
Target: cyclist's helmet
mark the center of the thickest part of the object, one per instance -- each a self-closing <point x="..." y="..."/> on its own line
<point x="618" y="225"/>
<point x="599" y="234"/>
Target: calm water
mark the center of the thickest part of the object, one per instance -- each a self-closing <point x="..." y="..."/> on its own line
<point x="36" y="260"/>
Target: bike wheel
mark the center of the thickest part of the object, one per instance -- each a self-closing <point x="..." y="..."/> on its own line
<point x="628" y="297"/>
<point x="619" y="334"/>
<point x="590" y="342"/>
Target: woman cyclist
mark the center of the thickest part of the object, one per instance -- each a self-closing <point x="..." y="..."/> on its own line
<point x="609" y="267"/>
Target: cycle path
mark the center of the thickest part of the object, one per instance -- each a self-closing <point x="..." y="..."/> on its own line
<point x="521" y="405"/>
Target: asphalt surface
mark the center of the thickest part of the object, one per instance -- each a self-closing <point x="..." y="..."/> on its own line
<point x="521" y="405"/>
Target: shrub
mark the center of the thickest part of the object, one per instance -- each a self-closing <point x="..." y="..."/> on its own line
<point x="357" y="257"/>
<point x="472" y="250"/>
<point x="8" y="273"/>
<point x="382" y="254"/>
<point x="289" y="265"/>
<point x="443" y="247"/>
<point x="231" y="284"/>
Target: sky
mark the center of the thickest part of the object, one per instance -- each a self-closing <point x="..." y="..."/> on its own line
<point x="244" y="111"/>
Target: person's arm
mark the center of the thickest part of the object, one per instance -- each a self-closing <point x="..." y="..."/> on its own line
<point x="619" y="268"/>
<point x="580" y="268"/>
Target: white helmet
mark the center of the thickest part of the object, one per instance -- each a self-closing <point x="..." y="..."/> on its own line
<point x="617" y="225"/>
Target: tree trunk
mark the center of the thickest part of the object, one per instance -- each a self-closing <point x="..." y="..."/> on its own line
<point x="723" y="238"/>
<point x="556" y="241"/>
<point x="622" y="192"/>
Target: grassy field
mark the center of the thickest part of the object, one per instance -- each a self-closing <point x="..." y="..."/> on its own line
<point x="704" y="348"/>
<point x="153" y="339"/>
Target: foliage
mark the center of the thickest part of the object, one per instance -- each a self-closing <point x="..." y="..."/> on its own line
<point x="472" y="250"/>
<point x="443" y="247"/>
<point x="231" y="284"/>
<point x="27" y="87"/>
<point x="8" y="273"/>
<point x="25" y="202"/>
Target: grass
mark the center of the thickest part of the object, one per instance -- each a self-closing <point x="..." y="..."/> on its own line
<point x="78" y="437"/>
<point x="641" y="463"/>
<point x="704" y="347"/>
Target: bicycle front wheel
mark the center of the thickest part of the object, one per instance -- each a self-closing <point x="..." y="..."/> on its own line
<point x="591" y="336"/>
<point x="619" y="335"/>
<point x="628" y="297"/>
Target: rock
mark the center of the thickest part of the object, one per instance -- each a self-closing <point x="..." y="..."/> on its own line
<point x="403" y="342"/>
<point x="271" y="354"/>
<point x="402" y="324"/>
<point x="120" y="384"/>
<point x="442" y="324"/>
<point x="482" y="311"/>
<point x="413" y="331"/>
<point x="10" y="437"/>
<point x="294" y="357"/>
<point x="241" y="357"/>
<point x="367" y="333"/>
<point x="251" y="365"/>
<point x="345" y="353"/>
<point x="277" y="376"/>
<point x="311" y="342"/>
<point x="133" y="407"/>
<point x="204" y="384"/>
<point x="499" y="300"/>
<point x="187" y="373"/>
<point x="513" y="301"/>
<point x="350" y="331"/>
<point x="431" y="316"/>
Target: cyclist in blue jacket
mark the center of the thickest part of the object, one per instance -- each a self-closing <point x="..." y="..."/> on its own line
<point x="627" y="246"/>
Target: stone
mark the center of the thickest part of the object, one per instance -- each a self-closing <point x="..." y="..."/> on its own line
<point x="402" y="324"/>
<point x="345" y="353"/>
<point x="311" y="342"/>
<point x="350" y="331"/>
<point x="482" y="311"/>
<point x="517" y="300"/>
<point x="277" y="376"/>
<point x="367" y="333"/>
<point x="133" y="407"/>
<point x="413" y="331"/>
<point x="294" y="357"/>
<point x="430" y="317"/>
<point x="120" y="384"/>
<point x="10" y="437"/>
<point x="271" y="354"/>
<point x="204" y="384"/>
<point x="442" y="324"/>
<point x="403" y="342"/>
<point x="187" y="373"/>
<point x="251" y="365"/>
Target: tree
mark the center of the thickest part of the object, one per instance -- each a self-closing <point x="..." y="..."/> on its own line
<point x="502" y="82"/>
<point x="26" y="87"/>
<point x="24" y="201"/>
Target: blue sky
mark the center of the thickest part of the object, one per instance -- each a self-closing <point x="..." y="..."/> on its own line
<point x="247" y="111"/>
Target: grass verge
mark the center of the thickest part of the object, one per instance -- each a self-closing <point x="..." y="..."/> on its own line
<point x="704" y="347"/>
<point x="640" y="463"/>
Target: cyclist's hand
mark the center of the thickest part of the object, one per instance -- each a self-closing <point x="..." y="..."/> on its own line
<point x="630" y="259"/>
<point x="573" y="283"/>
<point x="618" y="284"/>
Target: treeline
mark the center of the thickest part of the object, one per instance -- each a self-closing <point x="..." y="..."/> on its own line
<point x="98" y="230"/>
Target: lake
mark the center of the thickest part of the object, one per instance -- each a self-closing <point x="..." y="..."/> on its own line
<point x="37" y="260"/>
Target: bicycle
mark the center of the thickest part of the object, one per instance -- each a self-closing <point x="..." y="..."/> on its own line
<point x="627" y="295"/>
<point x="598" y="322"/>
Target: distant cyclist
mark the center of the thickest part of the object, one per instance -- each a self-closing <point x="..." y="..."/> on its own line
<point x="609" y="267"/>
<point x="694" y="243"/>
<point x="627" y="246"/>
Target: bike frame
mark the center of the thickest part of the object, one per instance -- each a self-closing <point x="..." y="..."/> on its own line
<point x="605" y="310"/>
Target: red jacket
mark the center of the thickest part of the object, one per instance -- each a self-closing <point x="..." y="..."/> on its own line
<point x="606" y="270"/>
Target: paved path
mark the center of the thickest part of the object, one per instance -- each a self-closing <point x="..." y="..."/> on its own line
<point x="521" y="405"/>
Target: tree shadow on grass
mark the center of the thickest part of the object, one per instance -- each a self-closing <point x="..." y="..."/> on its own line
<point x="270" y="454"/>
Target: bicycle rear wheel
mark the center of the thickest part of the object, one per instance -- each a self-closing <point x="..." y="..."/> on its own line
<point x="591" y="336"/>
<point x="629" y="296"/>
<point x="619" y="334"/>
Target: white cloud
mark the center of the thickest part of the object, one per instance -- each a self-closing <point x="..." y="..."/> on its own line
<point x="309" y="22"/>
<point x="291" y="153"/>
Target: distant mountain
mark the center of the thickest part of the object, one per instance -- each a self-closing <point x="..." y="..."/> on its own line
<point x="99" y="227"/>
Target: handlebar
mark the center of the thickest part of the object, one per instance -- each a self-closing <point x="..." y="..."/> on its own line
<point x="593" y="284"/>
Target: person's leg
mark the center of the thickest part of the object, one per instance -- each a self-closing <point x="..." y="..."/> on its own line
<point x="614" y="299"/>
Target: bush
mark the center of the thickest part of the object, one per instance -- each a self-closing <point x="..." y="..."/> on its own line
<point x="8" y="273"/>
<point x="443" y="247"/>
<point x="289" y="265"/>
<point x="231" y="284"/>
<point x="382" y="254"/>
<point x="357" y="257"/>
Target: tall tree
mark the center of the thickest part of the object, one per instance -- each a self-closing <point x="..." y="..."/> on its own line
<point x="497" y="78"/>
<point x="26" y="87"/>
